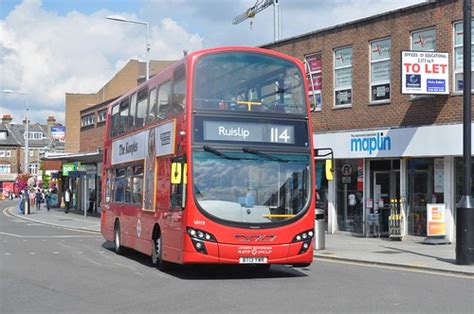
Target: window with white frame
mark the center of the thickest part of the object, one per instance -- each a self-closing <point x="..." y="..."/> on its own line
<point x="88" y="120"/>
<point x="423" y="40"/>
<point x="458" y="57"/>
<point x="33" y="168"/>
<point x="102" y="116"/>
<point x="314" y="62"/>
<point x="31" y="152"/>
<point x="343" y="77"/>
<point x="3" y="153"/>
<point x="34" y="135"/>
<point x="380" y="70"/>
<point x="5" y="168"/>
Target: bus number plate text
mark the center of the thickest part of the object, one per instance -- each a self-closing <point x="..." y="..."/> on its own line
<point x="253" y="260"/>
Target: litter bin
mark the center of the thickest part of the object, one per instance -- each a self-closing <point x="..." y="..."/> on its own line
<point x="320" y="228"/>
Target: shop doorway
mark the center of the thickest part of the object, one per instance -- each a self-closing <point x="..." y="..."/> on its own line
<point x="385" y="186"/>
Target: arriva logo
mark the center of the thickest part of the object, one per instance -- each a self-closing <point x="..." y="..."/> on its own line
<point x="370" y="142"/>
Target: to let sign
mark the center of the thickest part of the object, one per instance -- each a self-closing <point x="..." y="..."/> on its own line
<point x="425" y="73"/>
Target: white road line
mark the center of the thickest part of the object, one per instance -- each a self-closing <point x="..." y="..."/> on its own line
<point x="47" y="237"/>
<point x="32" y="253"/>
<point x="55" y="253"/>
<point x="8" y="254"/>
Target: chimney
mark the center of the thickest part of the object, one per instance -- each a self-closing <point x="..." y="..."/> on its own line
<point x="6" y="119"/>
<point x="51" y="121"/>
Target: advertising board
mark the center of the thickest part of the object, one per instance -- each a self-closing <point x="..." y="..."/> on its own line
<point x="425" y="73"/>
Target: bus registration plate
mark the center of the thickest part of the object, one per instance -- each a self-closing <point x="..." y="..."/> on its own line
<point x="253" y="260"/>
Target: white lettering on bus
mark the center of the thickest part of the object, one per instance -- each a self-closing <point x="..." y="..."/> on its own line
<point x="236" y="132"/>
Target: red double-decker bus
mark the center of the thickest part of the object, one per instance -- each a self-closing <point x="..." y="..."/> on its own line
<point x="211" y="161"/>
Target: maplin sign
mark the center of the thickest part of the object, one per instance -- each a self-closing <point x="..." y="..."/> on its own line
<point x="370" y="143"/>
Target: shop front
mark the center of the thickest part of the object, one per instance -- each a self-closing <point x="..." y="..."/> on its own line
<point x="377" y="171"/>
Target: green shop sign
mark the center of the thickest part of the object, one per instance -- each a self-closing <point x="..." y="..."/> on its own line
<point x="75" y="166"/>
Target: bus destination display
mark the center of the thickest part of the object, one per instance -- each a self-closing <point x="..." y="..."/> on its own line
<point x="248" y="132"/>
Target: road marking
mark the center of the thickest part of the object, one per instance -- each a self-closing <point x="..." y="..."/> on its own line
<point x="399" y="268"/>
<point x="79" y="252"/>
<point x="32" y="253"/>
<point x="46" y="237"/>
<point x="55" y="253"/>
<point x="8" y="254"/>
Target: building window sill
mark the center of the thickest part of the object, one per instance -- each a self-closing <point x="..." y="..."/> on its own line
<point x="342" y="107"/>
<point x="380" y="102"/>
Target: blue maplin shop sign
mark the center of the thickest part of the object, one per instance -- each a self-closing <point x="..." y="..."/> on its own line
<point x="371" y="142"/>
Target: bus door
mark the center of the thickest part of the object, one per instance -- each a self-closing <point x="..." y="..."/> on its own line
<point x="173" y="216"/>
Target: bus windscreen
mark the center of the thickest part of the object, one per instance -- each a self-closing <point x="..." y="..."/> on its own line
<point x="248" y="82"/>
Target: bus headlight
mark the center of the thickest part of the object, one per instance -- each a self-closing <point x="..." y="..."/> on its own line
<point x="304" y="236"/>
<point x="200" y="235"/>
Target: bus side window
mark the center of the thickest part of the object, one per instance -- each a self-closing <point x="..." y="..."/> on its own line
<point x="133" y="111"/>
<point x="152" y="106"/>
<point x="142" y="103"/>
<point x="115" y="121"/>
<point x="163" y="99"/>
<point x="123" y="121"/>
<point x="178" y="98"/>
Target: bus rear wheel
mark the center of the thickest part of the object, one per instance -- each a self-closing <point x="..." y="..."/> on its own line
<point x="117" y="239"/>
<point x="157" y="254"/>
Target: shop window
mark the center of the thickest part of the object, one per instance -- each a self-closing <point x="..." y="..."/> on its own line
<point x="380" y="70"/>
<point x="422" y="190"/>
<point x="349" y="189"/>
<point x="343" y="77"/>
<point x="314" y="62"/>
<point x="458" y="57"/>
<point x="459" y="177"/>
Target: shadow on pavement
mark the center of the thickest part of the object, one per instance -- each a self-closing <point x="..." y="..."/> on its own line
<point x="213" y="271"/>
<point x="446" y="260"/>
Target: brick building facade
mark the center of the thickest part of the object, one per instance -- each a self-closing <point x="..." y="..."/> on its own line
<point x="356" y="70"/>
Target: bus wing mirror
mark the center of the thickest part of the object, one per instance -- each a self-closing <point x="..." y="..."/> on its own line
<point x="329" y="170"/>
<point x="176" y="173"/>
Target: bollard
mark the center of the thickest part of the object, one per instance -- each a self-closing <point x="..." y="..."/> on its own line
<point x="320" y="226"/>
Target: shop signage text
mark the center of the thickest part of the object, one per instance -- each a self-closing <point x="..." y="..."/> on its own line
<point x="370" y="143"/>
<point x="425" y="72"/>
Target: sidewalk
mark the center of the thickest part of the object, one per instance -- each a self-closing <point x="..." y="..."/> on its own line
<point x="57" y="217"/>
<point x="380" y="251"/>
<point x="407" y="253"/>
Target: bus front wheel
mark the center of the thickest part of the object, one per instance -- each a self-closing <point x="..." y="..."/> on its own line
<point x="117" y="239"/>
<point x="157" y="254"/>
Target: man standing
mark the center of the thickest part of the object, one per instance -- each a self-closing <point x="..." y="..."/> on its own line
<point x="67" y="199"/>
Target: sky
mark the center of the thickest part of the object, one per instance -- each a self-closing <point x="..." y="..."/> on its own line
<point x="52" y="47"/>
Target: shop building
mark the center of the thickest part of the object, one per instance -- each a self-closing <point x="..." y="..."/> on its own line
<point x="387" y="144"/>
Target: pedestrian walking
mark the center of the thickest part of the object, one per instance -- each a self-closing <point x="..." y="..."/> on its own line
<point x="38" y="198"/>
<point x="47" y="198"/>
<point x="67" y="199"/>
<point x="91" y="201"/>
<point x="21" y="203"/>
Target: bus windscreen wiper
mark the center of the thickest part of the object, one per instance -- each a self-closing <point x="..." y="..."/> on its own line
<point x="214" y="151"/>
<point x="259" y="153"/>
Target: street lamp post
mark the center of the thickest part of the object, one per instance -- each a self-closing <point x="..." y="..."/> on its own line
<point x="27" y="149"/>
<point x="124" y="20"/>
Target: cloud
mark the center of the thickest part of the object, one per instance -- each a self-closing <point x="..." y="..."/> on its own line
<point x="48" y="55"/>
